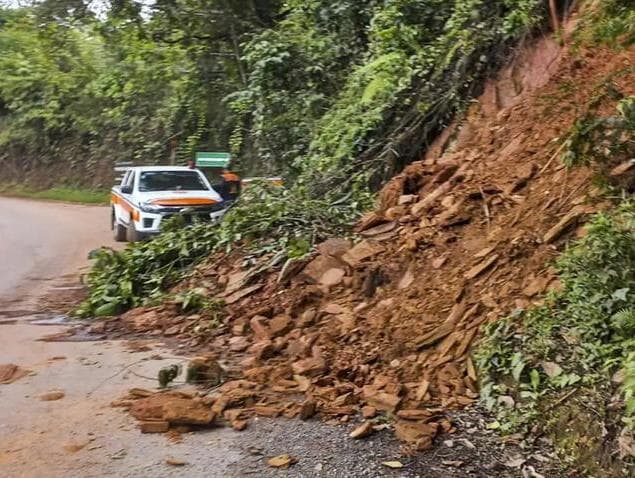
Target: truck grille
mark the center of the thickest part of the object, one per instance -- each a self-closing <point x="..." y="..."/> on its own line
<point x="197" y="210"/>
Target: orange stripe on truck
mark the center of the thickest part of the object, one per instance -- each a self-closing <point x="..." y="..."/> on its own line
<point x="184" y="202"/>
<point x="125" y="205"/>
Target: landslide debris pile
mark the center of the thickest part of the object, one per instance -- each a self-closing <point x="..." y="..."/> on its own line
<point x="463" y="237"/>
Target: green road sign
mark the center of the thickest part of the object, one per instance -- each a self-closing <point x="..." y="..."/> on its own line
<point x="212" y="160"/>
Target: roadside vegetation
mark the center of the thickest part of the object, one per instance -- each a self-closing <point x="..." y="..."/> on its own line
<point x="549" y="366"/>
<point x="65" y="194"/>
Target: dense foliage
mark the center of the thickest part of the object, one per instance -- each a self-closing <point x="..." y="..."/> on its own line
<point x="346" y="93"/>
<point x="79" y="91"/>
<point x="337" y="93"/>
<point x="579" y="338"/>
<point x="595" y="138"/>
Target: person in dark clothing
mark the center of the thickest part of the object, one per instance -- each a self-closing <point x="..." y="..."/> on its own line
<point x="230" y="185"/>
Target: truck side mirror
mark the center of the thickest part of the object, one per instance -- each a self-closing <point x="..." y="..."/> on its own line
<point x="126" y="189"/>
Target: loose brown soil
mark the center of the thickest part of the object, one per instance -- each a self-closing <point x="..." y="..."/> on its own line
<point x="461" y="238"/>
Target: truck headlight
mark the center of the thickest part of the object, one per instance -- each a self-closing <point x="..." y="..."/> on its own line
<point x="149" y="207"/>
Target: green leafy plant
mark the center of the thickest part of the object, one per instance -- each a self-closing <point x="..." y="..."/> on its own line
<point x="603" y="139"/>
<point x="266" y="219"/>
<point x="581" y="336"/>
<point x="195" y="300"/>
<point x="612" y="23"/>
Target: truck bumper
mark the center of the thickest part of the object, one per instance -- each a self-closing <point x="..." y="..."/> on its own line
<point x="150" y="223"/>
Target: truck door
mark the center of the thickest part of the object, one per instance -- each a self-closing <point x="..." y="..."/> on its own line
<point x="123" y="206"/>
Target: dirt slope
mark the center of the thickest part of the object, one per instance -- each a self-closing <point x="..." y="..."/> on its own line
<point x="463" y="237"/>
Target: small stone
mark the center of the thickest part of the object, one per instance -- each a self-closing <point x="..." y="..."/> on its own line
<point x="360" y="307"/>
<point x="362" y="431"/>
<point x="309" y="367"/>
<point x="315" y="270"/>
<point x="154" y="426"/>
<point x="407" y="280"/>
<point x="281" y="461"/>
<point x="414" y="414"/>
<point x="481" y="267"/>
<point x="182" y="411"/>
<point x="419" y="434"/>
<point x="407" y="199"/>
<point x="362" y="251"/>
<point x="52" y="396"/>
<point x="382" y="229"/>
<point x="175" y="329"/>
<point x="265" y="411"/>
<point x="369" y="412"/>
<point x="307" y="318"/>
<point x="238" y="344"/>
<point x="439" y="262"/>
<point x="239" y="425"/>
<point x="303" y="382"/>
<point x="175" y="462"/>
<point x="307" y="409"/>
<point x="380" y="400"/>
<point x="623" y="168"/>
<point x="280" y="325"/>
<point x="335" y="247"/>
<point x="75" y="446"/>
<point x="263" y="350"/>
<point x="257" y="324"/>
<point x="333" y="309"/>
<point x="97" y="328"/>
<point x="565" y="223"/>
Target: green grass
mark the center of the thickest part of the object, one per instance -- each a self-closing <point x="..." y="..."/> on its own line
<point x="66" y="194"/>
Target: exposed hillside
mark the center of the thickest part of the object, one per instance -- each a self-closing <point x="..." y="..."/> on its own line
<point x="463" y="238"/>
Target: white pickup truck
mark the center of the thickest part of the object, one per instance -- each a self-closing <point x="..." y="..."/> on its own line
<point x="149" y="194"/>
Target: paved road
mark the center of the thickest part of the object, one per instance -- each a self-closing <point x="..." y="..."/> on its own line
<point x="42" y="240"/>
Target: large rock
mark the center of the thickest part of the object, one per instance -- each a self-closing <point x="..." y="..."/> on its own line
<point x="362" y="251"/>
<point x="333" y="277"/>
<point x="416" y="433"/>
<point x="335" y="247"/>
<point x="319" y="266"/>
<point x="181" y="411"/>
<point x="381" y="400"/>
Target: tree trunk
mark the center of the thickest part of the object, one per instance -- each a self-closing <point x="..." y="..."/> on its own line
<point x="555" y="21"/>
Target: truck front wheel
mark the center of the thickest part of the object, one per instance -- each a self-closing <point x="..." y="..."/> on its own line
<point x="132" y="235"/>
<point x="119" y="232"/>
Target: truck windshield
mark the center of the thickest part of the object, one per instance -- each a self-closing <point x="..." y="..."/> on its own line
<point x="171" y="181"/>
